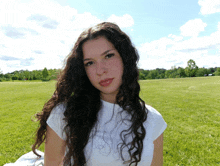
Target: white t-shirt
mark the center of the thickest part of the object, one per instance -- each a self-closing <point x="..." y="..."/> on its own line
<point x="102" y="149"/>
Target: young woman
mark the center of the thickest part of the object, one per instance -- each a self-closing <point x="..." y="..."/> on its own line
<point x="96" y="116"/>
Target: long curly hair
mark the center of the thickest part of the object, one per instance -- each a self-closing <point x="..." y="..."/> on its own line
<point x="83" y="101"/>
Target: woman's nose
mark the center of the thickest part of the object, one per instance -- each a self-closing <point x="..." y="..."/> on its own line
<point x="101" y="68"/>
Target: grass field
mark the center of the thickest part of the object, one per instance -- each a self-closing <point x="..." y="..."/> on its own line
<point x="190" y="106"/>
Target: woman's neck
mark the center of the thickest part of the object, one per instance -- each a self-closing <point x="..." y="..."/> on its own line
<point x="109" y="98"/>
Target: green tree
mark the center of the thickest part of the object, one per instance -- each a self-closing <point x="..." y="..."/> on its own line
<point x="145" y="72"/>
<point x="153" y="74"/>
<point x="212" y="70"/>
<point x="27" y="75"/>
<point x="45" y="73"/>
<point x="181" y="72"/>
<point x="8" y="77"/>
<point x="141" y="75"/>
<point x="217" y="72"/>
<point x="1" y="74"/>
<point x="191" y="68"/>
<point x="172" y="73"/>
<point x="14" y="77"/>
<point x="54" y="74"/>
<point x="201" y="72"/>
<point x="161" y="73"/>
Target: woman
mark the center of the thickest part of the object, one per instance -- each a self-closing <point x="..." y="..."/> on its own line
<point x="96" y="116"/>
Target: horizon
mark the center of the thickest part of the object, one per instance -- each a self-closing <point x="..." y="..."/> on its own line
<point x="177" y="67"/>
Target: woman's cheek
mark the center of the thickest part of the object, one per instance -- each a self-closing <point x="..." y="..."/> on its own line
<point x="113" y="62"/>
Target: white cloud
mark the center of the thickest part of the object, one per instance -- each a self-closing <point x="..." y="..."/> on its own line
<point x="40" y="33"/>
<point x="123" y="21"/>
<point x="209" y="6"/>
<point x="175" y="38"/>
<point x="176" y="51"/>
<point x="193" y="27"/>
<point x="156" y="48"/>
<point x="219" y="26"/>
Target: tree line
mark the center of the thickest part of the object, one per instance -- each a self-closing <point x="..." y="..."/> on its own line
<point x="191" y="70"/>
<point x="44" y="75"/>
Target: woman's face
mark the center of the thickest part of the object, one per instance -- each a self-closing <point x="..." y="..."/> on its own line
<point x="104" y="67"/>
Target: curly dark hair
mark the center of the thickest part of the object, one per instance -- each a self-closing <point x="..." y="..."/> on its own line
<point x="83" y="101"/>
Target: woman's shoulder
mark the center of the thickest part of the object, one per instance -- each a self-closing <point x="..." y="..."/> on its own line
<point x="59" y="108"/>
<point x="152" y="112"/>
<point x="57" y="114"/>
<point x="56" y="120"/>
<point x="155" y="123"/>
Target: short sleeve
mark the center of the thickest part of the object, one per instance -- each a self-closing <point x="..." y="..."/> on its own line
<point x="156" y="121"/>
<point x="56" y="120"/>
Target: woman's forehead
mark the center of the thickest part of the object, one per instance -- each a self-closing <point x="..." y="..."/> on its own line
<point x="98" y="46"/>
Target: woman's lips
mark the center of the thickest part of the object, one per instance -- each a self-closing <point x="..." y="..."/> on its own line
<point x="106" y="82"/>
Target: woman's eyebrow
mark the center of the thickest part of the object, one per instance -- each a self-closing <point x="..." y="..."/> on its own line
<point x="87" y="59"/>
<point x="106" y="52"/>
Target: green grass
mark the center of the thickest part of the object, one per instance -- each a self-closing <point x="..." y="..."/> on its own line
<point x="190" y="106"/>
<point x="19" y="101"/>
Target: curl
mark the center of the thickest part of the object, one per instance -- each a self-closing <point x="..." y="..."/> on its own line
<point x="83" y="103"/>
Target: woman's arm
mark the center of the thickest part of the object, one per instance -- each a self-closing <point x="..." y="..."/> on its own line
<point x="158" y="152"/>
<point x="54" y="149"/>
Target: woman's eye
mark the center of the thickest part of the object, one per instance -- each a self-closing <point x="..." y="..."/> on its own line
<point x="109" y="56"/>
<point x="88" y="64"/>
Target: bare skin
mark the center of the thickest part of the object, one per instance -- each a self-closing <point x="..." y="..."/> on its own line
<point x="54" y="149"/>
<point x="158" y="152"/>
<point x="102" y="61"/>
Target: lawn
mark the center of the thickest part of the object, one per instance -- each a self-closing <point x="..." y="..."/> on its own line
<point x="19" y="101"/>
<point x="190" y="106"/>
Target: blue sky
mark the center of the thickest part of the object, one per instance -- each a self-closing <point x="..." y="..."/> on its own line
<point x="40" y="33"/>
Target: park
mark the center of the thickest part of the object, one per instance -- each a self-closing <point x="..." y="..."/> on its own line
<point x="190" y="107"/>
